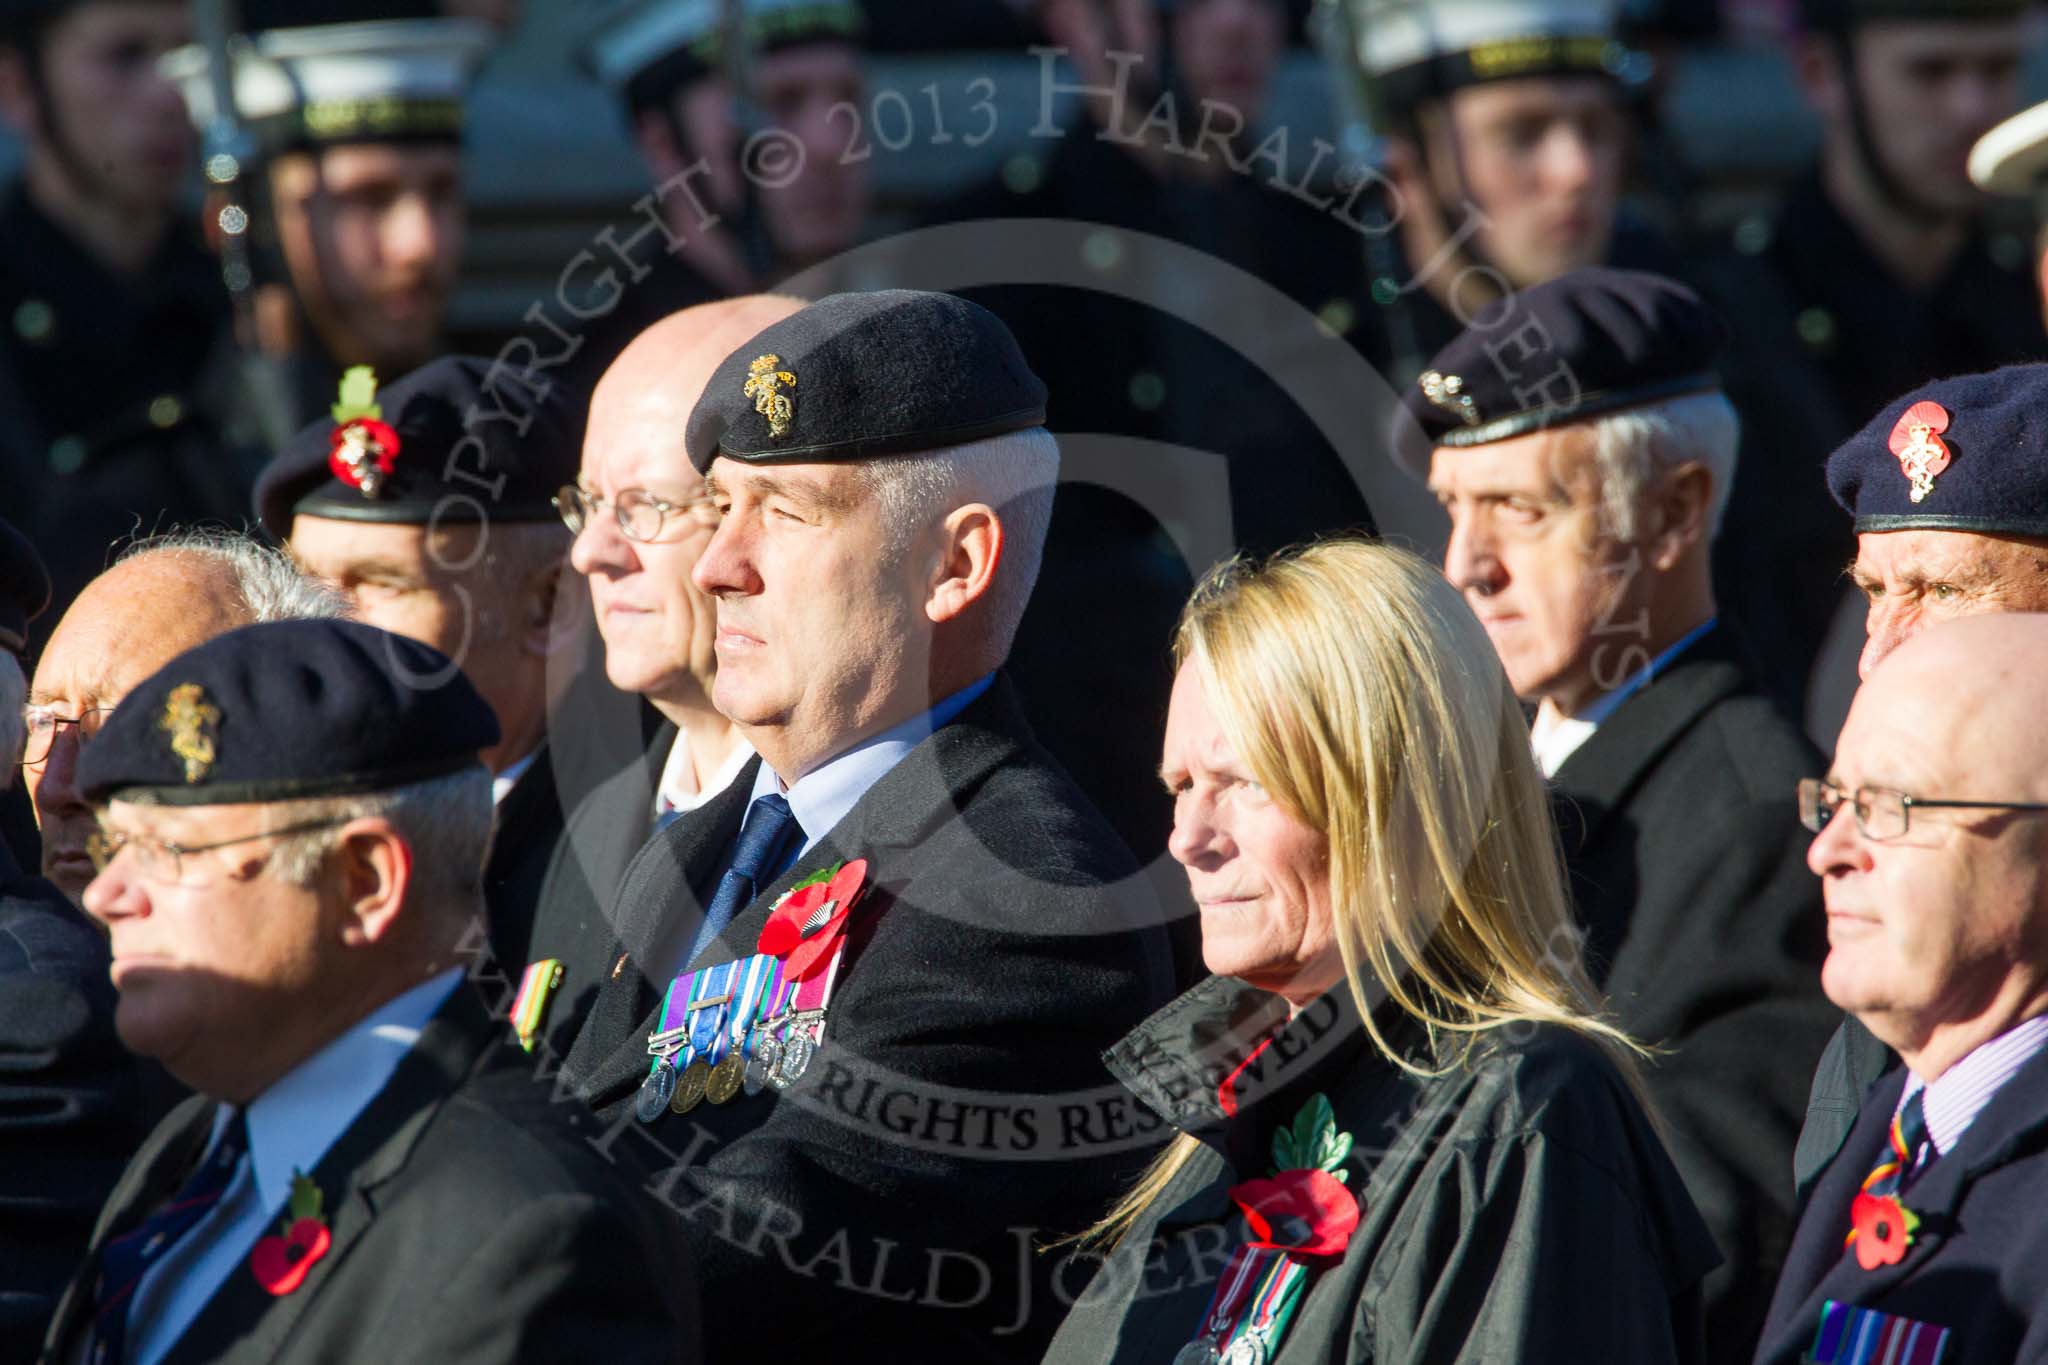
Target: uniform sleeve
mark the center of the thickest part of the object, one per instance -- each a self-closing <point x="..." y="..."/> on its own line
<point x="1530" y="1252"/>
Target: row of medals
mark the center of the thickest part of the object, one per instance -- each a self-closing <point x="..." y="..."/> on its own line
<point x="776" y="1061"/>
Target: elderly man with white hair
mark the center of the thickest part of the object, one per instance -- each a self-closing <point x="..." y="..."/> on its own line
<point x="1579" y="441"/>
<point x="859" y="997"/>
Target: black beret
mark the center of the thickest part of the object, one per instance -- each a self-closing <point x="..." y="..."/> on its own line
<point x="441" y="445"/>
<point x="287" y="710"/>
<point x="24" y="587"/>
<point x="1962" y="454"/>
<point x="1579" y="346"/>
<point x="1835" y="16"/>
<point x="855" y="376"/>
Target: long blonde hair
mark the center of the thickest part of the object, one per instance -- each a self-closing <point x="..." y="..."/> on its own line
<point x="1363" y="695"/>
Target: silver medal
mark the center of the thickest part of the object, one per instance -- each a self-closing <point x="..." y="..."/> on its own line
<point x="795" y="1059"/>
<point x="656" y="1091"/>
<point x="1201" y="1352"/>
<point x="1246" y="1350"/>
<point x="761" y="1066"/>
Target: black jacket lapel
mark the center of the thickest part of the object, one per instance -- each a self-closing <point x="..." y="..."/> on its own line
<point x="244" y="1321"/>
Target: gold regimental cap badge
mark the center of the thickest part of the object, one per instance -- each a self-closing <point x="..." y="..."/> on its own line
<point x="192" y="723"/>
<point x="1916" y="440"/>
<point x="765" y="386"/>
<point x="1447" y="391"/>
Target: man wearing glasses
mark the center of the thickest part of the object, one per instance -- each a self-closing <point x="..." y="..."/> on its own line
<point x="426" y="505"/>
<point x="291" y="847"/>
<point x="1930" y="853"/>
<point x="641" y="516"/>
<point x="1948" y="486"/>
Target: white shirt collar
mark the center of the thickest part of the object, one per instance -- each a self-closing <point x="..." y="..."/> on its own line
<point x="1556" y="738"/>
<point x="502" y="783"/>
<point x="822" y="797"/>
<point x="1956" y="1098"/>
<point x="677" y="789"/>
<point x="295" y="1121"/>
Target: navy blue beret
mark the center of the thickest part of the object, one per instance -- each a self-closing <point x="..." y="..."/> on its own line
<point x="442" y="446"/>
<point x="1588" y="343"/>
<point x="855" y="376"/>
<point x="24" y="587"/>
<point x="1962" y="454"/>
<point x="286" y="710"/>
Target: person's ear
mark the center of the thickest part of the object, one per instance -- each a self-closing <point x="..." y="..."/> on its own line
<point x="970" y="548"/>
<point x="1816" y="65"/>
<point x="536" y="608"/>
<point x="17" y="95"/>
<point x="1682" y="514"/>
<point x="374" y="864"/>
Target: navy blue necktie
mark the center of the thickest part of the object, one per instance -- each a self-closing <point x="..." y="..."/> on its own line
<point x="766" y="839"/>
<point x="124" y="1260"/>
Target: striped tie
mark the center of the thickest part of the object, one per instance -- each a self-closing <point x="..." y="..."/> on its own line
<point x="1908" y="1135"/>
<point x="125" y="1259"/>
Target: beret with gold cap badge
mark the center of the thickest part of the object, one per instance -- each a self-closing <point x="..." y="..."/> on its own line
<point x="857" y="376"/>
<point x="287" y="710"/>
<point x="1968" y="453"/>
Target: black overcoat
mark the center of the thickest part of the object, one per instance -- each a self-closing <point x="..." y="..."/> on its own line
<point x="887" y="1206"/>
<point x="1978" y="1264"/>
<point x="470" y="1223"/>
<point x="1687" y="860"/>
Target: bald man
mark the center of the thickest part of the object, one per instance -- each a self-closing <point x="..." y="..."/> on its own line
<point x="1932" y="851"/>
<point x="165" y="596"/>
<point x="641" y="519"/>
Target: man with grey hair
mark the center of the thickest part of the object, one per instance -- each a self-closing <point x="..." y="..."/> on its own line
<point x="162" y="597"/>
<point x="867" y="1073"/>
<point x="291" y="841"/>
<point x="1584" y="452"/>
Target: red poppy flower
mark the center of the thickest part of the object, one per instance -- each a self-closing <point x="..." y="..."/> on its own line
<point x="376" y="438"/>
<point x="810" y="921"/>
<point x="1309" y="1212"/>
<point x="281" y="1263"/>
<point x="1883" y="1230"/>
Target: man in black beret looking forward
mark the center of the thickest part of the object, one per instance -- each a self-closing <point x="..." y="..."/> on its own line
<point x="292" y="844"/>
<point x="1583" y="451"/>
<point x="428" y="504"/>
<point x="860" y="1147"/>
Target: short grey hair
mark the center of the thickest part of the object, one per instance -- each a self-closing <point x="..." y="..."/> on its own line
<point x="447" y="820"/>
<point x="1016" y="473"/>
<point x="271" y="585"/>
<point x="13" y="725"/>
<point x="1633" y="447"/>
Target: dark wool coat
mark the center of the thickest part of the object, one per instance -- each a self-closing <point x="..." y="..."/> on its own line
<point x="1681" y="833"/>
<point x="886" y="1207"/>
<point x="1518" y="1208"/>
<point x="470" y="1224"/>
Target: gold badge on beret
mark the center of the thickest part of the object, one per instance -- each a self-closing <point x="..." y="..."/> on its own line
<point x="764" y="386"/>
<point x="1447" y="391"/>
<point x="192" y="722"/>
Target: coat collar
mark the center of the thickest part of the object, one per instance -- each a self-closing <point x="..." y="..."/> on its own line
<point x="1600" y="774"/>
<point x="931" y="786"/>
<point x="243" y="1320"/>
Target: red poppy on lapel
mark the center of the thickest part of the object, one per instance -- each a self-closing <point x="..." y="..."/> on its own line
<point x="280" y="1263"/>
<point x="809" y="920"/>
<point x="1308" y="1212"/>
<point x="1883" y="1229"/>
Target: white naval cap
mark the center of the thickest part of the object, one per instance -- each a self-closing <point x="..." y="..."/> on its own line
<point x="1423" y="47"/>
<point x="646" y="48"/>
<point x="385" y="81"/>
<point x="2013" y="157"/>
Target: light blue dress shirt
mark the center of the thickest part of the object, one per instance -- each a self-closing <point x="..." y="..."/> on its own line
<point x="291" y="1126"/>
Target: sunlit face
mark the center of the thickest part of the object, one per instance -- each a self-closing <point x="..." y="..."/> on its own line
<point x="373" y="234"/>
<point x="1913" y="579"/>
<point x="821" y="639"/>
<point x="123" y="123"/>
<point x="125" y="625"/>
<point x="1226" y="51"/>
<point x="660" y="630"/>
<point x="1542" y="160"/>
<point x="1930" y="90"/>
<point x="1258" y="873"/>
<point x="815" y="209"/>
<point x="1555" y="592"/>
<point x="1927" y="927"/>
<point x="221" y="956"/>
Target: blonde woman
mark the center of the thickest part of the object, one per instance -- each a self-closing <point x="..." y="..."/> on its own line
<point x="1405" y="1131"/>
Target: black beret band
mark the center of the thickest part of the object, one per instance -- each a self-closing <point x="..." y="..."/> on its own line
<point x="1589" y="406"/>
<point x="295" y="789"/>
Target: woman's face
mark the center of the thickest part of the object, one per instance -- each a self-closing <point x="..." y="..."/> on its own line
<point x="1260" y="875"/>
